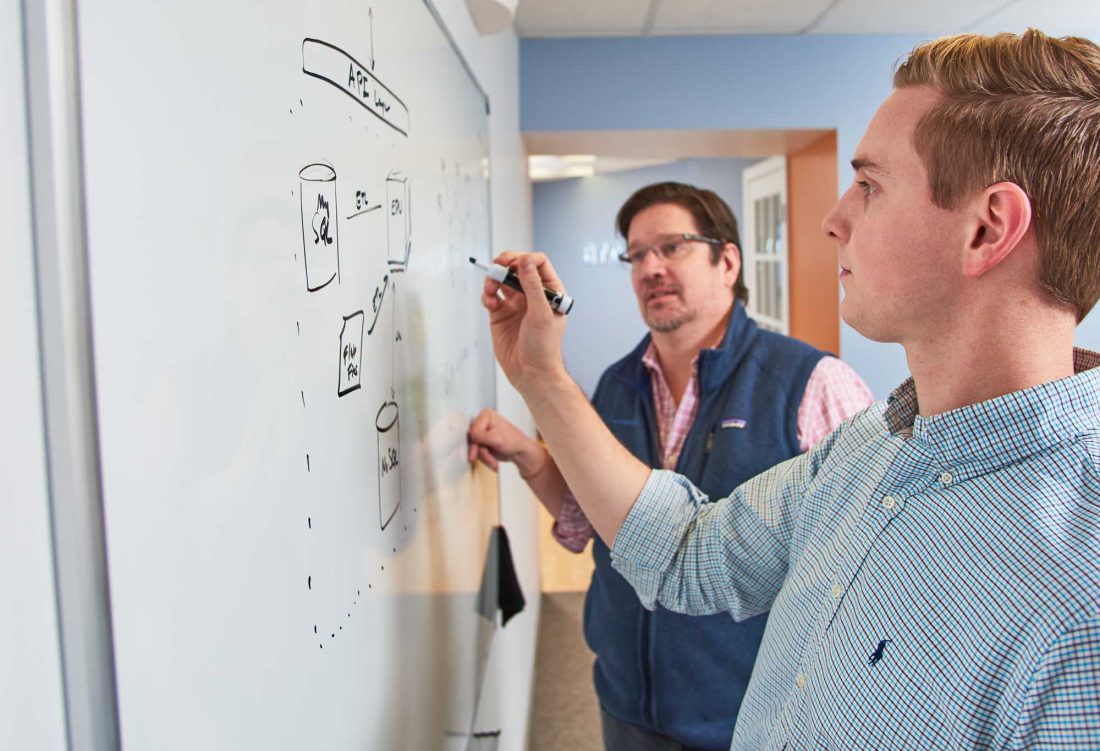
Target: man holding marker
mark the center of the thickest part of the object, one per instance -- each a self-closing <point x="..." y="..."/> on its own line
<point x="933" y="566"/>
<point x="706" y="393"/>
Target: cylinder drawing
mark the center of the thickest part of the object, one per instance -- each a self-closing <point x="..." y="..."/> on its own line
<point x="320" y="239"/>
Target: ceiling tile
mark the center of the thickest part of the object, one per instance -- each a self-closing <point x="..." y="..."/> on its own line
<point x="735" y="16"/>
<point x="933" y="17"/>
<point x="1055" y="17"/>
<point x="928" y="17"/>
<point x="581" y="17"/>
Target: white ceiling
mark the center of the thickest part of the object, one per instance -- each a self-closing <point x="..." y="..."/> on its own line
<point x="551" y="18"/>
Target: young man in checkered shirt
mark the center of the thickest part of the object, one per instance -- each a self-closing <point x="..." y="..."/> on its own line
<point x="706" y="393"/>
<point x="932" y="567"/>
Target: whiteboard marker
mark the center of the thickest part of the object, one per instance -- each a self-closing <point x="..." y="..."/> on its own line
<point x="559" y="301"/>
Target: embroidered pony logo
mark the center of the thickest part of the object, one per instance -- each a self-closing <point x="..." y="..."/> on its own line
<point x="876" y="656"/>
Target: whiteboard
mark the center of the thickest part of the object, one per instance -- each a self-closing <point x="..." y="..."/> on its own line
<point x="281" y="199"/>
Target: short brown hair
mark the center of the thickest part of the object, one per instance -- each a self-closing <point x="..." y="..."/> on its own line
<point x="712" y="215"/>
<point x="1023" y="109"/>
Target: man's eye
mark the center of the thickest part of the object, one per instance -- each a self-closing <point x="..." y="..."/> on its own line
<point x="866" y="187"/>
<point x="668" y="250"/>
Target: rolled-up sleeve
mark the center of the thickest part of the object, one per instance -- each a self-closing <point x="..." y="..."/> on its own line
<point x="695" y="557"/>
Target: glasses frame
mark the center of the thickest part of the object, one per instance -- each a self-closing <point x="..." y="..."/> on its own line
<point x="624" y="257"/>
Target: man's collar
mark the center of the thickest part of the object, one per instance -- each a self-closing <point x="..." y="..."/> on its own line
<point x="1008" y="427"/>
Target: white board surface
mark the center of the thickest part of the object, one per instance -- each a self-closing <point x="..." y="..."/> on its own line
<point x="281" y="200"/>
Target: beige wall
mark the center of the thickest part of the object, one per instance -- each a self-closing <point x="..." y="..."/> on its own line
<point x="561" y="570"/>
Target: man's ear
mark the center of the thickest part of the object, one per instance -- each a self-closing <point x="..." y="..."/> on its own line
<point x="731" y="261"/>
<point x="1002" y="216"/>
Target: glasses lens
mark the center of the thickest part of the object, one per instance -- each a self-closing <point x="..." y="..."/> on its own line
<point x="673" y="249"/>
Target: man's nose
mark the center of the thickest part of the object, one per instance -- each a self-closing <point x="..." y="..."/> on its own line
<point x="652" y="263"/>
<point x="835" y="225"/>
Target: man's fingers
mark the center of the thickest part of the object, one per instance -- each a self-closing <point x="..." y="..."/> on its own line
<point x="489" y="460"/>
<point x="546" y="272"/>
<point x="532" y="287"/>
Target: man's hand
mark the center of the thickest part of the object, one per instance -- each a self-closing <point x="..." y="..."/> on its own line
<point x="586" y="458"/>
<point x="527" y="333"/>
<point x="493" y="439"/>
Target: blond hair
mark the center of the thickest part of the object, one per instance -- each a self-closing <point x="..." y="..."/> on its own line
<point x="1023" y="109"/>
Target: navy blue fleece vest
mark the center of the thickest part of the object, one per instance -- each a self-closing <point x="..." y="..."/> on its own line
<point x="678" y="675"/>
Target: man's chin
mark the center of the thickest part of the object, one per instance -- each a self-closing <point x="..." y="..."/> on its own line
<point x="864" y="324"/>
<point x="665" y="324"/>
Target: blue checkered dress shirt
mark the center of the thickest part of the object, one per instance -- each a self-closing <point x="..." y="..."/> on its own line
<point x="934" y="581"/>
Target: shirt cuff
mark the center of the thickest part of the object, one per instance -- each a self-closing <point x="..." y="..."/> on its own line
<point x="571" y="529"/>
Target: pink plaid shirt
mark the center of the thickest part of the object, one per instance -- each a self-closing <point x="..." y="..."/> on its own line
<point x="834" y="392"/>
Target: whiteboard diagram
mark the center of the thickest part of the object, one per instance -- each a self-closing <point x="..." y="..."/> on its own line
<point x="318" y="539"/>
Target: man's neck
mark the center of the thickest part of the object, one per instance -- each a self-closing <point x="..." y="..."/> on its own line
<point x="678" y="349"/>
<point x="999" y="358"/>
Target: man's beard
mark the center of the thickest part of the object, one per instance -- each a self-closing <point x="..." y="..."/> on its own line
<point x="657" y="320"/>
<point x="664" y="325"/>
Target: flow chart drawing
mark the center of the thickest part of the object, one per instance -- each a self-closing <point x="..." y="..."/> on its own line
<point x="389" y="477"/>
<point x="320" y="239"/>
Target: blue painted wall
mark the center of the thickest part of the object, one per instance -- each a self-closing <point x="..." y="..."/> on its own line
<point x="742" y="82"/>
<point x="569" y="214"/>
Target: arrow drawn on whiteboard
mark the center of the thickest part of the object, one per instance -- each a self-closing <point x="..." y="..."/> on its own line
<point x="370" y="15"/>
<point x="376" y="302"/>
<point x="365" y="211"/>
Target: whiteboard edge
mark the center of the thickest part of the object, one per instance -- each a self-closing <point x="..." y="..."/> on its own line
<point x="52" y="90"/>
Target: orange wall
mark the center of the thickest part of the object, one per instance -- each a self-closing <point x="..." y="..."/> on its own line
<point x="815" y="293"/>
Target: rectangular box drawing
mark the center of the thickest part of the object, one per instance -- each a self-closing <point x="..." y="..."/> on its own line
<point x="398" y="220"/>
<point x="351" y="353"/>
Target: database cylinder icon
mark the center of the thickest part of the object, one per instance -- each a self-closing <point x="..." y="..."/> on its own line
<point x="320" y="239"/>
<point x="389" y="476"/>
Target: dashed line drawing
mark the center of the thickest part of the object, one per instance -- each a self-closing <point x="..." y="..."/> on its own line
<point x="399" y="221"/>
<point x="332" y="65"/>
<point x="351" y="353"/>
<point x="320" y="238"/>
<point x="389" y="476"/>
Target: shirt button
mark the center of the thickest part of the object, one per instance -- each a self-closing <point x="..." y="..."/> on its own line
<point x="800" y="681"/>
<point x="673" y="458"/>
<point x="836" y="591"/>
<point x="946" y="478"/>
<point x="889" y="502"/>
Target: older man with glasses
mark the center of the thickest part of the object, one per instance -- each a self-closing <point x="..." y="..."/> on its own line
<point x="716" y="398"/>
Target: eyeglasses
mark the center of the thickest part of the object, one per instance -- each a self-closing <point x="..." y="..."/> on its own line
<point x="669" y="248"/>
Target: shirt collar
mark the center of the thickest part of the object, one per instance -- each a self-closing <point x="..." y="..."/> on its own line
<point x="1009" y="427"/>
<point x="653" y="362"/>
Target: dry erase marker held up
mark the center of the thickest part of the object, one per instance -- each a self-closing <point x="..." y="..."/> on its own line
<point x="559" y="301"/>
